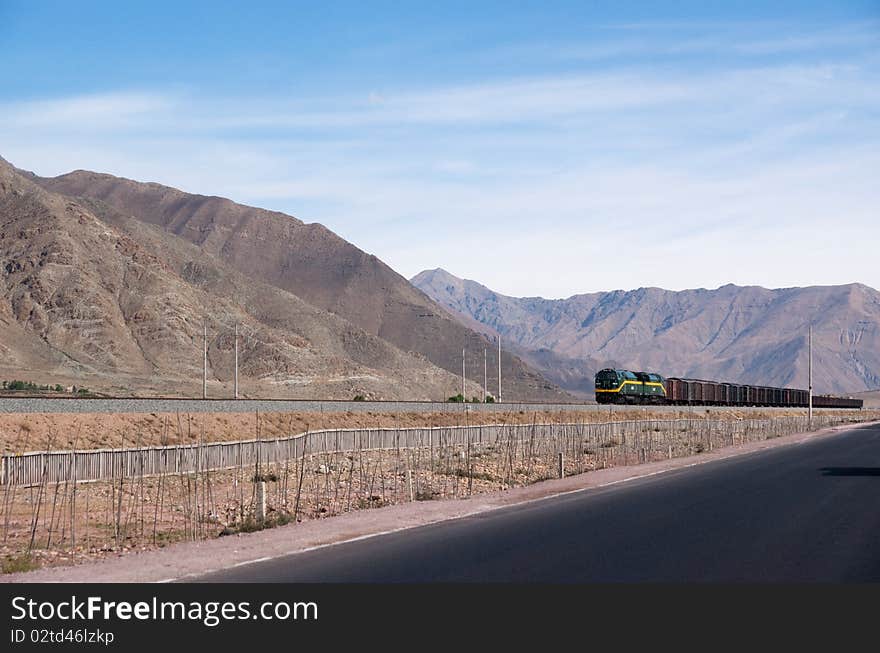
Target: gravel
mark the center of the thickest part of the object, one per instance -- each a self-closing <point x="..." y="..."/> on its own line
<point x="56" y="405"/>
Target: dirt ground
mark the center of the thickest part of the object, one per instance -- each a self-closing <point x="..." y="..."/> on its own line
<point x="21" y="432"/>
<point x="67" y="523"/>
<point x="61" y="524"/>
<point x="187" y="559"/>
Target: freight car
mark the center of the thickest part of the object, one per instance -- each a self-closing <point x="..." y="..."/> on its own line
<point x="715" y="393"/>
<point x="626" y="387"/>
<point x="827" y="401"/>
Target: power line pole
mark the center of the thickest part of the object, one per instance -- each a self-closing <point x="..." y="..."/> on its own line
<point x="462" y="374"/>
<point x="235" y="385"/>
<point x="811" y="377"/>
<point x="499" y="367"/>
<point x="485" y="378"/>
<point x="205" y="362"/>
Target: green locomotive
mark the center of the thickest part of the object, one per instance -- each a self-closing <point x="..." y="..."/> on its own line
<point x="625" y="387"/>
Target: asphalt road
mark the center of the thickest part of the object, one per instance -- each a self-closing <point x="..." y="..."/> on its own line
<point x="808" y="512"/>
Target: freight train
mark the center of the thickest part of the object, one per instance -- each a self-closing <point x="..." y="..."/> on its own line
<point x="626" y="387"/>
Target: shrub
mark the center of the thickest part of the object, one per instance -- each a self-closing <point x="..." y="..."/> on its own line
<point x="359" y="398"/>
<point x="373" y="501"/>
<point x="482" y="476"/>
<point x="283" y="518"/>
<point x="457" y="399"/>
<point x="251" y="525"/>
<point x="23" y="562"/>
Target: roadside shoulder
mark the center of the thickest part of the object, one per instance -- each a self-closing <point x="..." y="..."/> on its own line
<point x="191" y="559"/>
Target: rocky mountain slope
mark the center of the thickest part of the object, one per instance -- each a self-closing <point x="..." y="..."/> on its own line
<point x="315" y="265"/>
<point x="740" y="334"/>
<point x="91" y="296"/>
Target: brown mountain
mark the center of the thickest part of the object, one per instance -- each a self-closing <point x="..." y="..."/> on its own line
<point x="739" y="334"/>
<point x="312" y="263"/>
<point x="91" y="296"/>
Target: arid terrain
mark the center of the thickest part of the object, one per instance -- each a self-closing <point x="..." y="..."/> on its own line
<point x="91" y="296"/>
<point x="59" y="431"/>
<point x="52" y="524"/>
<point x="736" y="334"/>
<point x="320" y="316"/>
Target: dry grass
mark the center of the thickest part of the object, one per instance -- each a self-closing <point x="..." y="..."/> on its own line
<point x="20" y="432"/>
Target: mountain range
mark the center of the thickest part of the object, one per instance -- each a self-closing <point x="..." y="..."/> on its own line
<point x="109" y="283"/>
<point x="737" y="334"/>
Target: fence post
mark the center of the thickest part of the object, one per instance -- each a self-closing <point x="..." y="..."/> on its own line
<point x="561" y="470"/>
<point x="261" y="501"/>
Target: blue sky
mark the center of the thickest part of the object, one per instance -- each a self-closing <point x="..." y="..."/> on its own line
<point x="540" y="148"/>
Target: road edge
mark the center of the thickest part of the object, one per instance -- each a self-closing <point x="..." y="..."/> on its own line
<point x="209" y="556"/>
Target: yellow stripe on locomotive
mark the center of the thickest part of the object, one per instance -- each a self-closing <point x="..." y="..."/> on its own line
<point x="624" y="386"/>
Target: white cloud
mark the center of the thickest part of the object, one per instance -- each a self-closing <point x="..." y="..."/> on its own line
<point x="103" y="111"/>
<point x="550" y="185"/>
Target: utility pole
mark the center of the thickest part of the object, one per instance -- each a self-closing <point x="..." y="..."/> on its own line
<point x="462" y="376"/>
<point x="485" y="379"/>
<point x="811" y="376"/>
<point x="499" y="367"/>
<point x="235" y="384"/>
<point x="205" y="363"/>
